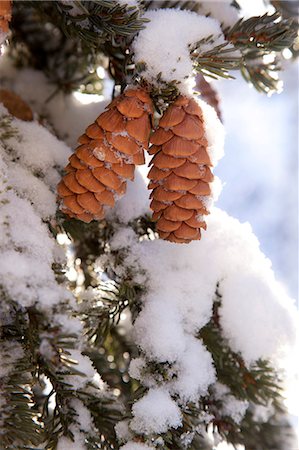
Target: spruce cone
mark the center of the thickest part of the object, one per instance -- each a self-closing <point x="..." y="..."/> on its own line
<point x="110" y="149"/>
<point x="180" y="173"/>
<point x="15" y="105"/>
<point x="5" y="15"/>
<point x="208" y="94"/>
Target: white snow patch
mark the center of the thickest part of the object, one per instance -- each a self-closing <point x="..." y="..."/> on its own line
<point x="136" y="446"/>
<point x="172" y="58"/>
<point x="155" y="412"/>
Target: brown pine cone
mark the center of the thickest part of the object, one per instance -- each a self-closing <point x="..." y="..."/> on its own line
<point x="5" y="15"/>
<point x="15" y="105"/>
<point x="180" y="173"/>
<point x="208" y="94"/>
<point x="106" y="157"/>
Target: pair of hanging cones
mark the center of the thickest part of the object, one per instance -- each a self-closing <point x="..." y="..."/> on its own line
<point x="114" y="144"/>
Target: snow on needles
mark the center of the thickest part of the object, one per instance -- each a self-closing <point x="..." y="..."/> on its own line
<point x="30" y="161"/>
<point x="181" y="281"/>
<point x="165" y="50"/>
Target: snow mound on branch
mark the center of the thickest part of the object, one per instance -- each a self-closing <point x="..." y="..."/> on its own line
<point x="155" y="413"/>
<point x="136" y="446"/>
<point x="165" y="50"/>
<point x="30" y="162"/>
<point x="256" y="316"/>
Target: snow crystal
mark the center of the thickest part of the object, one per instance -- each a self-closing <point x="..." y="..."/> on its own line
<point x="137" y="365"/>
<point x="135" y="446"/>
<point x="129" y="3"/>
<point x="32" y="188"/>
<point x="164" y="340"/>
<point x="10" y="352"/>
<point x="172" y="59"/>
<point x="83" y="415"/>
<point x="122" y="431"/>
<point x="231" y="406"/>
<point x="263" y="413"/>
<point x="195" y="371"/>
<point x="38" y="148"/>
<point x="155" y="413"/>
<point x="78" y="443"/>
<point x="83" y="365"/>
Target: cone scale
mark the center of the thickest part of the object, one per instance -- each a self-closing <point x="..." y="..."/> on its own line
<point x="180" y="175"/>
<point x="5" y="15"/>
<point x="109" y="150"/>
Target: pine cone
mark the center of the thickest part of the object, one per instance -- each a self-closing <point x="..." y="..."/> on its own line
<point x="180" y="173"/>
<point x="208" y="94"/>
<point x="110" y="149"/>
<point x="15" y="105"/>
<point x="5" y="15"/>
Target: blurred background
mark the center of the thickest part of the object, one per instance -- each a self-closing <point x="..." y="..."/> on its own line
<point x="260" y="167"/>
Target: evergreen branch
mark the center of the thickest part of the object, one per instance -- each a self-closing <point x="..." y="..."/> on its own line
<point x="258" y="37"/>
<point x="109" y="301"/>
<point x="258" y="384"/>
<point x="94" y="22"/>
<point x="262" y="75"/>
<point x="268" y="32"/>
<point x="216" y="62"/>
<point x="20" y="422"/>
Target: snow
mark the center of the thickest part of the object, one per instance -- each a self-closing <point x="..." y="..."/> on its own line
<point x="195" y="371"/>
<point x="256" y="316"/>
<point x="30" y="160"/>
<point x="135" y="446"/>
<point x="165" y="340"/>
<point x="30" y="163"/>
<point x="259" y="291"/>
<point x="83" y="415"/>
<point x="131" y="205"/>
<point x="83" y="365"/>
<point x="78" y="443"/>
<point x="129" y="3"/>
<point x="155" y="412"/>
<point x="122" y="431"/>
<point x="10" y="352"/>
<point x="220" y="10"/>
<point x="179" y="299"/>
<point x="172" y="59"/>
<point x="214" y="132"/>
<point x="67" y="114"/>
<point x="231" y="406"/>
